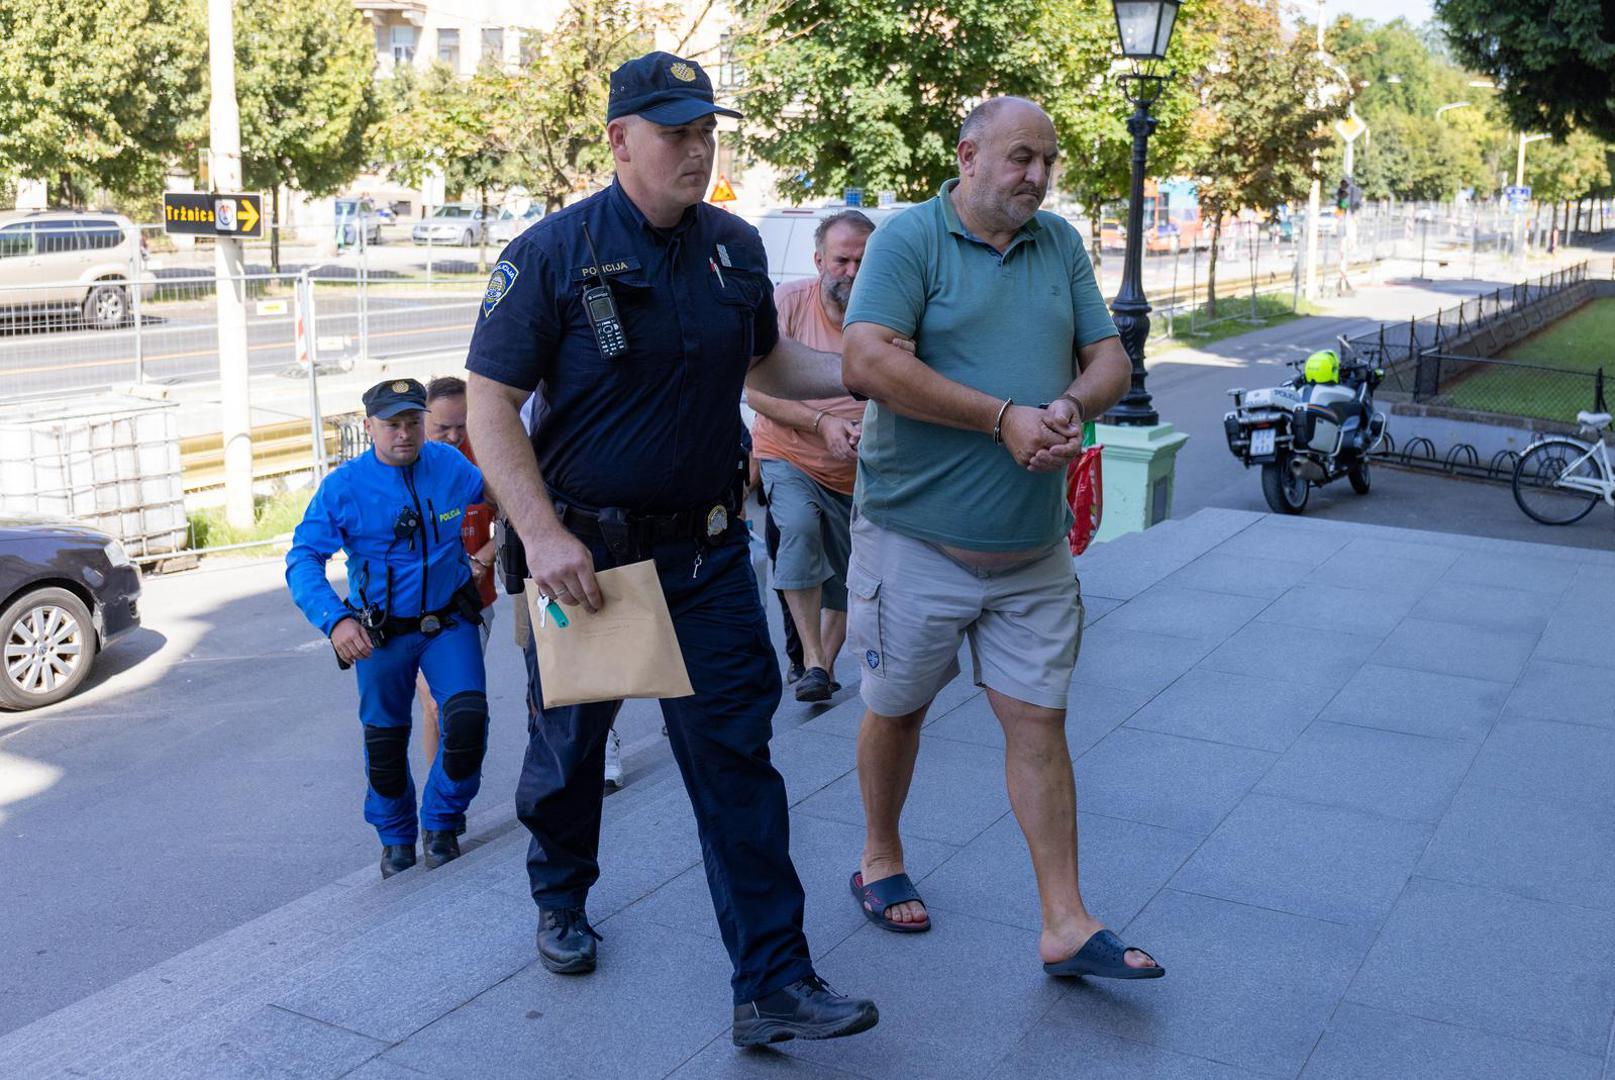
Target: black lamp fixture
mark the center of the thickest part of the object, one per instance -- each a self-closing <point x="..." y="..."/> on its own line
<point x="1144" y="28"/>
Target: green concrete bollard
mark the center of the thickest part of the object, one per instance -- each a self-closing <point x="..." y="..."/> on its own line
<point x="1140" y="464"/>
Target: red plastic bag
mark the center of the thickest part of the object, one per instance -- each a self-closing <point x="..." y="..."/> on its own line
<point x="1085" y="491"/>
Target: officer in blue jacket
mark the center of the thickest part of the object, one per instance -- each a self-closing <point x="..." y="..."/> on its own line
<point x="642" y="311"/>
<point x="411" y="608"/>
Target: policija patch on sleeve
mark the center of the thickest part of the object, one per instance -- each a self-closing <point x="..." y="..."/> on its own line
<point x="500" y="282"/>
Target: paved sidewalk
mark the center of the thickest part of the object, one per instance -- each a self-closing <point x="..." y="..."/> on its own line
<point x="1350" y="784"/>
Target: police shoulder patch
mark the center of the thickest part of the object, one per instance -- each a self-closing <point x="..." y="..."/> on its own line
<point x="500" y="282"/>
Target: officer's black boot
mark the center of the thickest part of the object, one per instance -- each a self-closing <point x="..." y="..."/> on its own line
<point x="566" y="941"/>
<point x="440" y="847"/>
<point x="806" y="1009"/>
<point x="396" y="857"/>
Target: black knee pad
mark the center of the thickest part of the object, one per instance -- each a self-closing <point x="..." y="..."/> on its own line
<point x="387" y="759"/>
<point x="465" y="734"/>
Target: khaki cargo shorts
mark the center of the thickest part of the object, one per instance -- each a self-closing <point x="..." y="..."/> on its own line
<point x="910" y="606"/>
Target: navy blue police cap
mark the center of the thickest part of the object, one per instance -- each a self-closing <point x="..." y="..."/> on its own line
<point x="664" y="89"/>
<point x="387" y="399"/>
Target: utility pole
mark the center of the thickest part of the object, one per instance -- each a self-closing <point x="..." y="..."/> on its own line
<point x="1314" y="197"/>
<point x="230" y="289"/>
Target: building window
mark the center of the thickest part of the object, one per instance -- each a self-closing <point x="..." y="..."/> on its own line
<point x="403" y="44"/>
<point x="448" y="48"/>
<point x="493" y="47"/>
<point x="729" y="73"/>
<point x="531" y="47"/>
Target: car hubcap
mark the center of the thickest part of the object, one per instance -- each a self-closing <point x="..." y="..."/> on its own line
<point x="44" y="649"/>
<point x="109" y="307"/>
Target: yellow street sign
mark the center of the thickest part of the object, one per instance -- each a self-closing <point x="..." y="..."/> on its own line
<point x="1351" y="127"/>
<point x="723" y="192"/>
<point x="201" y="213"/>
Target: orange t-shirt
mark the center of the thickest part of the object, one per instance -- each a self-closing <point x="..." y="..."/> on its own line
<point x="802" y="318"/>
<point x="476" y="529"/>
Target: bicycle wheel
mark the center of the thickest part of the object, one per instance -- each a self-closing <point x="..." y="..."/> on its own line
<point x="1539" y="476"/>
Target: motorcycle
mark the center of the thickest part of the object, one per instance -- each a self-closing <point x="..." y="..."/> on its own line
<point x="1310" y="430"/>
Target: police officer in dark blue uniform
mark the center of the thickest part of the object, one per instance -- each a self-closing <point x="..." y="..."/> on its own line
<point x="637" y="459"/>
<point x="411" y="608"/>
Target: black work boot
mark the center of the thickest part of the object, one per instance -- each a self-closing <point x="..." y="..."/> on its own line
<point x="806" y="1009"/>
<point x="440" y="847"/>
<point x="396" y="857"/>
<point x="566" y="941"/>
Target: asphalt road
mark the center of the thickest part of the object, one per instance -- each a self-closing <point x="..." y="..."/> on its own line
<point x="179" y="341"/>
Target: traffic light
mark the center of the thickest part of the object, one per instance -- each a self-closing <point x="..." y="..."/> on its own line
<point x="1355" y="196"/>
<point x="1343" y="194"/>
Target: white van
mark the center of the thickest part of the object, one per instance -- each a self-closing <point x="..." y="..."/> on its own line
<point x="64" y="260"/>
<point x="787" y="233"/>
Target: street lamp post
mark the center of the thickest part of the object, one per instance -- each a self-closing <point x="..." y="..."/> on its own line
<point x="1140" y="451"/>
<point x="1145" y="30"/>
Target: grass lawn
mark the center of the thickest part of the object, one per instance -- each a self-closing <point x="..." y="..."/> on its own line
<point x="275" y="516"/>
<point x="1582" y="341"/>
<point x="1232" y="313"/>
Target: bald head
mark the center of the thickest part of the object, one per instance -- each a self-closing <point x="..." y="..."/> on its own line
<point x="1007" y="149"/>
<point x="986" y="115"/>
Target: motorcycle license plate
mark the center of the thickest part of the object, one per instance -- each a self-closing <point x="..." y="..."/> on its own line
<point x="1262" y="441"/>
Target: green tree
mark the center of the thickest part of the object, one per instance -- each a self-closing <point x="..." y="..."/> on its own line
<point x="460" y="127"/>
<point x="1403" y="79"/>
<point x="1263" y="114"/>
<point x="870" y="93"/>
<point x="306" y="87"/>
<point x="1077" y="55"/>
<point x="94" y="93"/>
<point x="1551" y="59"/>
<point x="560" y="99"/>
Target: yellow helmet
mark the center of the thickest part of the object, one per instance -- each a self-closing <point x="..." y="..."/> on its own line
<point x="1323" y="366"/>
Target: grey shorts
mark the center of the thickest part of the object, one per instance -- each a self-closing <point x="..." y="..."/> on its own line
<point x="912" y="606"/>
<point x="815" y="535"/>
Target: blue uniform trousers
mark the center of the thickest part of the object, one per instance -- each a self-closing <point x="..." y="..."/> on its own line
<point x="452" y="663"/>
<point x="719" y="738"/>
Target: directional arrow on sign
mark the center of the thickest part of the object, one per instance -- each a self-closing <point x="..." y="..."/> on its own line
<point x="247" y="215"/>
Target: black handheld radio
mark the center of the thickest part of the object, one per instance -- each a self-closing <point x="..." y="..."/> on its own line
<point x="602" y="310"/>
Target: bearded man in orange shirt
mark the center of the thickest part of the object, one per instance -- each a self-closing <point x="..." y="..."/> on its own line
<point x="809" y="456"/>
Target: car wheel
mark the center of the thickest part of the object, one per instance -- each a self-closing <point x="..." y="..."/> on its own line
<point x="106" y="307"/>
<point x="47" y="646"/>
<point x="467" y="238"/>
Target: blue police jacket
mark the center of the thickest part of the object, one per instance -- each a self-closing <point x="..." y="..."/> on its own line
<point x="356" y="510"/>
<point x="655" y="430"/>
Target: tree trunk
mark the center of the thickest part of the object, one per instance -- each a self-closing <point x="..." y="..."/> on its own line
<point x="482" y="231"/>
<point x="1211" y="268"/>
<point x="1096" y="212"/>
<point x="274" y="228"/>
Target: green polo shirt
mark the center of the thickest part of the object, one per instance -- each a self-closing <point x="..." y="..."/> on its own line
<point x="1008" y="325"/>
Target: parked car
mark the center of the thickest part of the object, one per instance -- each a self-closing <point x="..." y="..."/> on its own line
<point x="67" y="591"/>
<point x="66" y="261"/>
<point x="1112" y="235"/>
<point x="509" y="226"/>
<point x="787" y="233"/>
<point x="455" y="223"/>
<point x="350" y="214"/>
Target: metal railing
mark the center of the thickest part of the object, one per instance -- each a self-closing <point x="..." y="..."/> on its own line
<point x="1488" y="323"/>
<point x="1504" y="387"/>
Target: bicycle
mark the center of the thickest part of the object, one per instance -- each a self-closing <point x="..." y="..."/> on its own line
<point x="1558" y="480"/>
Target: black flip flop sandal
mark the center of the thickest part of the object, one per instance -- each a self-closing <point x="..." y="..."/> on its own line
<point x="1104" y="957"/>
<point x="874" y="898"/>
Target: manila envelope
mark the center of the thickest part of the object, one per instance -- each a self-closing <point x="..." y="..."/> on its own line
<point x="627" y="649"/>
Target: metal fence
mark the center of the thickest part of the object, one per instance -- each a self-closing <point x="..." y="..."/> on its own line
<point x="1491" y="321"/>
<point x="163" y="328"/>
<point x="1507" y="387"/>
